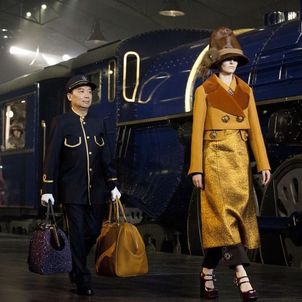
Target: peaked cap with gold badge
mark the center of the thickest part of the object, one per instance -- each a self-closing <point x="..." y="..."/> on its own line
<point x="78" y="81"/>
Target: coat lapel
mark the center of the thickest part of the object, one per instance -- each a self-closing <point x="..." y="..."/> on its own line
<point x="232" y="103"/>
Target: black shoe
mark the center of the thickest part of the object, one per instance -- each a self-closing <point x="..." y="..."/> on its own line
<point x="248" y="296"/>
<point x="85" y="291"/>
<point x="206" y="292"/>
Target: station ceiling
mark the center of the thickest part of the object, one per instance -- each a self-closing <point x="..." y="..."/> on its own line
<point x="65" y="25"/>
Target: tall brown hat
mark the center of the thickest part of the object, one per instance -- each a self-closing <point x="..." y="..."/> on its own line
<point x="223" y="45"/>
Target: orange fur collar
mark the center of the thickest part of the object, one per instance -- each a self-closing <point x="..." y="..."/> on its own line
<point x="219" y="98"/>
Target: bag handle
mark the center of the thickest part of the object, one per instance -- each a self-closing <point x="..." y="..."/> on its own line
<point x="50" y="213"/>
<point x="120" y="208"/>
<point x="110" y="213"/>
<point x="52" y="227"/>
<point x="115" y="209"/>
<point x="113" y="212"/>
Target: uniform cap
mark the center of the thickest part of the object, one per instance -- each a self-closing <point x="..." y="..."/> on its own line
<point x="78" y="81"/>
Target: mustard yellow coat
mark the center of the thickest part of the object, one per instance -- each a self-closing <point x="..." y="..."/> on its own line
<point x="224" y="120"/>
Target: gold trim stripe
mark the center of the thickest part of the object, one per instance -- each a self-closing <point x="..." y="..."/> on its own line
<point x="100" y="145"/>
<point x="48" y="181"/>
<point x="87" y="159"/>
<point x="72" y="146"/>
<point x="137" y="75"/>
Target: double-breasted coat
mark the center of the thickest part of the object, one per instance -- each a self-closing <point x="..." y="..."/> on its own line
<point x="224" y="120"/>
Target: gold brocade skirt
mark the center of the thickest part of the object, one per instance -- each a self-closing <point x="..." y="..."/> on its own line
<point x="228" y="214"/>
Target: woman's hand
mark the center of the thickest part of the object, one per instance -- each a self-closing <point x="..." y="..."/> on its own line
<point x="266" y="175"/>
<point x="197" y="181"/>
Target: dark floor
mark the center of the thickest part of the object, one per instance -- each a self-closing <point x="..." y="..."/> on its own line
<point x="170" y="278"/>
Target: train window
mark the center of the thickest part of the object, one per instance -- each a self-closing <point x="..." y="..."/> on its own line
<point x="131" y="75"/>
<point x="14" y="125"/>
<point x="96" y="78"/>
<point x="111" y="73"/>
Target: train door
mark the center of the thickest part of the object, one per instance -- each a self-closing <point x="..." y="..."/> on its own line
<point x="18" y="188"/>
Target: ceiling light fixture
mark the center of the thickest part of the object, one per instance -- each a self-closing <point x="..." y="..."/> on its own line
<point x="39" y="13"/>
<point x="36" y="57"/>
<point x="171" y="8"/>
<point x="96" y="35"/>
<point x="66" y="57"/>
<point x="15" y="50"/>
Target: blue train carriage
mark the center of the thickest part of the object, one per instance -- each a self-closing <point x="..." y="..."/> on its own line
<point x="24" y="103"/>
<point x="154" y="126"/>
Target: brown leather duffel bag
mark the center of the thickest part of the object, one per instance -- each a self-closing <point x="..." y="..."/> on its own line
<point x="120" y="249"/>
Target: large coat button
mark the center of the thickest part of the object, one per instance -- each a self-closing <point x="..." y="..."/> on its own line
<point x="225" y="118"/>
<point x="227" y="256"/>
<point x="213" y="134"/>
<point x="239" y="119"/>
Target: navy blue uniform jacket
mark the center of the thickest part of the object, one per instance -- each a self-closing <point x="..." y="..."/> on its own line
<point x="78" y="165"/>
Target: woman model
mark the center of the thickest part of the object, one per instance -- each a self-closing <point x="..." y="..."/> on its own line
<point x="224" y="120"/>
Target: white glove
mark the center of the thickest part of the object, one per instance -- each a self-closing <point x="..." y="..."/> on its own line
<point x="45" y="198"/>
<point x="115" y="193"/>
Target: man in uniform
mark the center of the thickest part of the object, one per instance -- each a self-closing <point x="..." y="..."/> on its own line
<point x="78" y="171"/>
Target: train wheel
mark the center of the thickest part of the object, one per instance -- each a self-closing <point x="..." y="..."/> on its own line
<point x="282" y="198"/>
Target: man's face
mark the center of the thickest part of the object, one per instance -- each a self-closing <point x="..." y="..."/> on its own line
<point x="80" y="97"/>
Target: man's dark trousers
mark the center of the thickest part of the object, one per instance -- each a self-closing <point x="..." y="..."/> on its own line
<point x="84" y="224"/>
